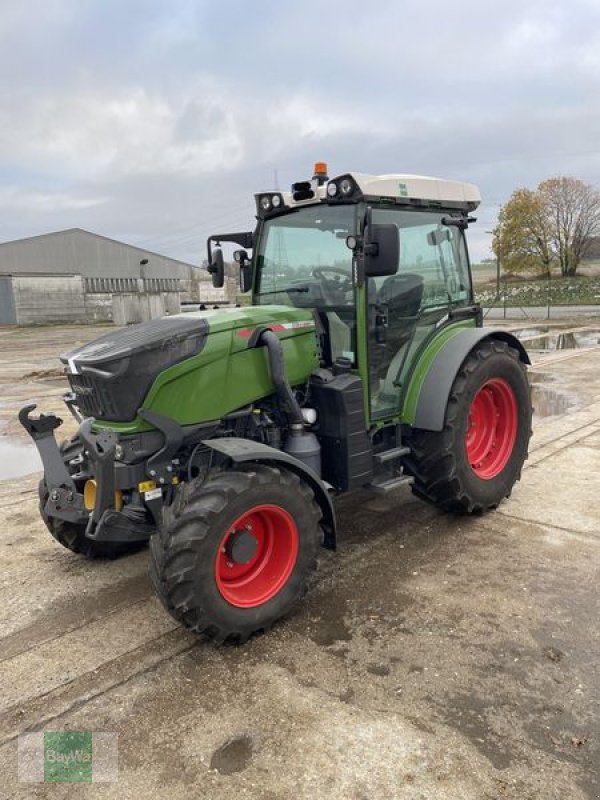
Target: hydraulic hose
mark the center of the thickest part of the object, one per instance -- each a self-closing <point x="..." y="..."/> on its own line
<point x="282" y="387"/>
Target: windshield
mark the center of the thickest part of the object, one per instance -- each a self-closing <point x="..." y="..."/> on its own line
<point x="303" y="259"/>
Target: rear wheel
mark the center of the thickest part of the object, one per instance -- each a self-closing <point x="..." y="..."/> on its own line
<point x="72" y="535"/>
<point x="474" y="462"/>
<point x="235" y="552"/>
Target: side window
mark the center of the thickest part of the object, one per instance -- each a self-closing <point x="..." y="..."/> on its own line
<point x="438" y="255"/>
<point x="434" y="252"/>
<point x="403" y="309"/>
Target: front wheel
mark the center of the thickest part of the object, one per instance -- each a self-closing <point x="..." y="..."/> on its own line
<point x="234" y="552"/>
<point x="474" y="462"/>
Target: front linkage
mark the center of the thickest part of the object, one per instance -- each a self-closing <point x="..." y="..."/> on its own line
<point x="86" y="492"/>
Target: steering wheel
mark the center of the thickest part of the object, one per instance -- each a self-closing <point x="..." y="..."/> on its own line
<point x="334" y="289"/>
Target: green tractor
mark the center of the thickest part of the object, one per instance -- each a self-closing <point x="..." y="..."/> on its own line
<point x="222" y="436"/>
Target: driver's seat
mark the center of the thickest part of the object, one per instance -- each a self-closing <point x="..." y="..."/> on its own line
<point x="400" y="296"/>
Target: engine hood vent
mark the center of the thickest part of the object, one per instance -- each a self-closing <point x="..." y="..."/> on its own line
<point x="111" y="376"/>
<point x="161" y="333"/>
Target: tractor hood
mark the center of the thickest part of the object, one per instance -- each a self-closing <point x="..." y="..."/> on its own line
<point x="112" y="375"/>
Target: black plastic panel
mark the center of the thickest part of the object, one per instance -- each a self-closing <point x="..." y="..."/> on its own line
<point x="144" y="336"/>
<point x="346" y="454"/>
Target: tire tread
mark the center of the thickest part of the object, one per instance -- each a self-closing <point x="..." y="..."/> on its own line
<point x="433" y="460"/>
<point x="187" y="523"/>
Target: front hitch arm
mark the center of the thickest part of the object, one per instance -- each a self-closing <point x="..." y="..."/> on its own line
<point x="64" y="502"/>
<point x="41" y="429"/>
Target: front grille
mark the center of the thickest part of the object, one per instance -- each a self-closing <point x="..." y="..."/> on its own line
<point x="93" y="396"/>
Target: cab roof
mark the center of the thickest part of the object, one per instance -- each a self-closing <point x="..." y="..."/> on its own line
<point x="418" y="187"/>
<point x="352" y="187"/>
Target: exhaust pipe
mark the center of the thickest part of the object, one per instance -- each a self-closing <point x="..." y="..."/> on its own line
<point x="282" y="387"/>
<point x="300" y="443"/>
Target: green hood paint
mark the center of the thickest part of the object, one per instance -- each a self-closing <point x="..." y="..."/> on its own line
<point x="227" y="374"/>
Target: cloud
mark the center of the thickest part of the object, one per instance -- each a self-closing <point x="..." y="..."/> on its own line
<point x="157" y="122"/>
<point x="16" y="198"/>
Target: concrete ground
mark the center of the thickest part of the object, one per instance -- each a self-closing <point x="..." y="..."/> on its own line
<point x="435" y="657"/>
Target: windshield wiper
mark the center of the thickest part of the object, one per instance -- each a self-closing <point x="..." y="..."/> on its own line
<point x="287" y="291"/>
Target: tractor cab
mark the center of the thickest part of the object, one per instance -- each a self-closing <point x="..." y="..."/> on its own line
<point x="382" y="261"/>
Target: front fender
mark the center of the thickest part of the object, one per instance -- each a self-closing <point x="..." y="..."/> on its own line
<point x="435" y="389"/>
<point x="242" y="450"/>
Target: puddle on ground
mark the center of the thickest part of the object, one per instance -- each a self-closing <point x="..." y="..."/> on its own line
<point x="330" y="627"/>
<point x="528" y="333"/>
<point x="558" y="340"/>
<point x="233" y="756"/>
<point x="17" y="459"/>
<point x="330" y="631"/>
<point x="548" y="402"/>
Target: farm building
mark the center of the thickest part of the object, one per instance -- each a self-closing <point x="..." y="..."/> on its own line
<point x="78" y="276"/>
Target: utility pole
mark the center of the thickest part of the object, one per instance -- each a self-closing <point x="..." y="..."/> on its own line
<point x="497" y="267"/>
<point x="498" y="271"/>
<point x="280" y="257"/>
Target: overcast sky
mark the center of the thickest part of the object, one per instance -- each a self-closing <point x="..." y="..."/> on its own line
<point x="154" y="122"/>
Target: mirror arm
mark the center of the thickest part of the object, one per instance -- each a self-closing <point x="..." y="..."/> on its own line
<point x="461" y="222"/>
<point x="244" y="239"/>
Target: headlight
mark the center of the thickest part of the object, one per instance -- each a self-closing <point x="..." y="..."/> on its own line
<point x="265" y="202"/>
<point x="343" y="188"/>
<point x="276" y="201"/>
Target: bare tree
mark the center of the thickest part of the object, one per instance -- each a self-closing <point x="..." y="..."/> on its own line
<point x="573" y="213"/>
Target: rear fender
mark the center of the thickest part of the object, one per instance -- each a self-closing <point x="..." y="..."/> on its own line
<point x="244" y="450"/>
<point x="433" y="397"/>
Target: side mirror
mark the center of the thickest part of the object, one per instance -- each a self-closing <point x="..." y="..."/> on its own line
<point x="242" y="258"/>
<point x="382" y="250"/>
<point x="217" y="268"/>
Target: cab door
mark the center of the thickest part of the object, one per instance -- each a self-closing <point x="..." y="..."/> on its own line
<point x="405" y="308"/>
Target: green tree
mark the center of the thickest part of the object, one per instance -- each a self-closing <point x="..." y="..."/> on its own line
<point x="555" y="224"/>
<point x="522" y="240"/>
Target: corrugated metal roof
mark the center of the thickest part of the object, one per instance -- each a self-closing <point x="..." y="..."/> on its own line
<point x="77" y="251"/>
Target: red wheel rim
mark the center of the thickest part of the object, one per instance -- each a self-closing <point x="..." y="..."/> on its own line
<point x="492" y="428"/>
<point x="273" y="536"/>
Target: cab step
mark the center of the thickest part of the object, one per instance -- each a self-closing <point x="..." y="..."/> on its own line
<point x="388" y="485"/>
<point x="391" y="455"/>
